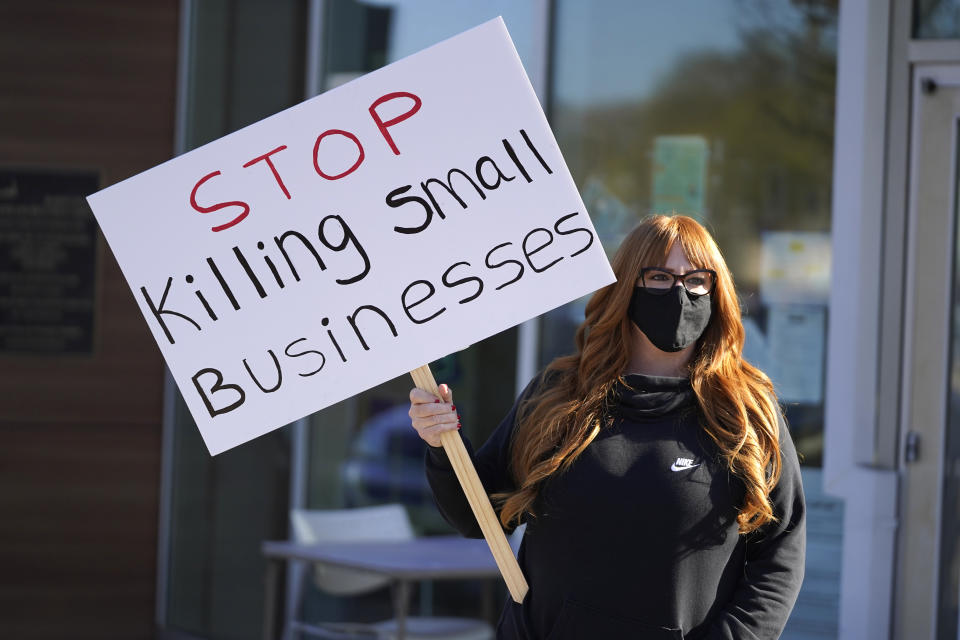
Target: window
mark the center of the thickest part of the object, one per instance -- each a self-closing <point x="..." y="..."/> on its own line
<point x="722" y="110"/>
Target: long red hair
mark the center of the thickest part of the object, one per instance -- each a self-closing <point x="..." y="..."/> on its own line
<point x="737" y="402"/>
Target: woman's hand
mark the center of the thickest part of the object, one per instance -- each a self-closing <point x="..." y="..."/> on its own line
<point x="430" y="416"/>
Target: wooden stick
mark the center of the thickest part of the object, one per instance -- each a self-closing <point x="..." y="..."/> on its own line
<point x="477" y="496"/>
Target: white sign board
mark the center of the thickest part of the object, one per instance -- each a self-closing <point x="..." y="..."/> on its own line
<point x="796" y="336"/>
<point x="353" y="237"/>
<point x="795" y="267"/>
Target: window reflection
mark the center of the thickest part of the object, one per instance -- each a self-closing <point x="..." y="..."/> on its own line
<point x="722" y="111"/>
<point x="933" y="19"/>
<point x="371" y="33"/>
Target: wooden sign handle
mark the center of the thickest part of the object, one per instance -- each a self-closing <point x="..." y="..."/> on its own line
<point x="477" y="496"/>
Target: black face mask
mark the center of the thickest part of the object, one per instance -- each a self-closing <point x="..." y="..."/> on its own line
<point x="672" y="321"/>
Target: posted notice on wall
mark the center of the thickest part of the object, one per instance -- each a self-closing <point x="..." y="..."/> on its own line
<point x="353" y="237"/>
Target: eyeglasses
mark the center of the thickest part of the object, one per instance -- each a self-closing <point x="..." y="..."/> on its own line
<point x="659" y="281"/>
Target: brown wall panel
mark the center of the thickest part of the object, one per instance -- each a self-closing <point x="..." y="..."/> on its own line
<point x="91" y="86"/>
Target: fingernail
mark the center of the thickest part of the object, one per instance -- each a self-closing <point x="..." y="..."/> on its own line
<point x="436" y="400"/>
<point x="453" y="407"/>
<point x="459" y="417"/>
<point x="458" y="426"/>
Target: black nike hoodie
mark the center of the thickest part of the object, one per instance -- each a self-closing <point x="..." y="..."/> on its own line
<point x="638" y="538"/>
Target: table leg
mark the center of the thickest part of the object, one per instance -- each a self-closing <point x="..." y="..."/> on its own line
<point x="426" y="598"/>
<point x="270" y="599"/>
<point x="401" y="600"/>
<point x="487" y="602"/>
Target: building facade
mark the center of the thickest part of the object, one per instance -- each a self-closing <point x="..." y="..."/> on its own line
<point x="816" y="139"/>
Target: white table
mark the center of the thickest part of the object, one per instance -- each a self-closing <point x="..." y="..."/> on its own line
<point x="429" y="558"/>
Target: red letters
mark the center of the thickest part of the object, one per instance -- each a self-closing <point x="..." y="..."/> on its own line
<point x="400" y="118"/>
<point x="316" y="149"/>
<point x="382" y="125"/>
<point x="276" y="175"/>
<point x="218" y="206"/>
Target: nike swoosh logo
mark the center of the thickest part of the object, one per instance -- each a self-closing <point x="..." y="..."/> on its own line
<point x="674" y="467"/>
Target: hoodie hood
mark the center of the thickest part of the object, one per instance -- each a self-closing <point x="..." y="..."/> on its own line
<point x="641" y="397"/>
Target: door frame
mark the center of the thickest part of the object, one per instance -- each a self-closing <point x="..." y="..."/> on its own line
<point x="930" y="255"/>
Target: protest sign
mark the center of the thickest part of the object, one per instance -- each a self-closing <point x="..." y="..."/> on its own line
<point x="353" y="237"/>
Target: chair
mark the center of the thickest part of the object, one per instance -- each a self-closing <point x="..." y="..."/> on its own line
<point x="380" y="523"/>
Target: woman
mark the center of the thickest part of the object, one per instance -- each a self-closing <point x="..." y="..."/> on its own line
<point x="658" y="481"/>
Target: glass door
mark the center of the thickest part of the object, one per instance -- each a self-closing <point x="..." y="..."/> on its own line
<point x="948" y="601"/>
<point x="928" y="559"/>
<point x="244" y="61"/>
